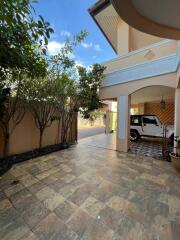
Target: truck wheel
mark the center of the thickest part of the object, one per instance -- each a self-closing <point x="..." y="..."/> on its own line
<point x="134" y="135"/>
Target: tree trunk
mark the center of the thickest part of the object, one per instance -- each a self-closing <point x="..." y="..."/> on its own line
<point x="62" y="130"/>
<point x="41" y="132"/>
<point x="6" y="144"/>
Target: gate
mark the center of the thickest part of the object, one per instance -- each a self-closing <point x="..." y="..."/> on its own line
<point x="166" y="149"/>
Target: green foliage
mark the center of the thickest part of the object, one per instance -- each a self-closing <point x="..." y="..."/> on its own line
<point x="23" y="42"/>
<point x="4" y="95"/>
<point x="62" y="63"/>
<point x="62" y="71"/>
<point x="177" y="139"/>
<point x="53" y="88"/>
<point x="177" y="148"/>
<point x="88" y="89"/>
<point x="65" y="90"/>
<point x="40" y="100"/>
<point x="23" y="39"/>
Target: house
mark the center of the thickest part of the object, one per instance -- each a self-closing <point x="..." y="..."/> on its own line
<point x="146" y="71"/>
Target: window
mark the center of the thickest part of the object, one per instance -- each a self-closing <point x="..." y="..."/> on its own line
<point x="149" y="120"/>
<point x="135" y="120"/>
<point x="134" y="111"/>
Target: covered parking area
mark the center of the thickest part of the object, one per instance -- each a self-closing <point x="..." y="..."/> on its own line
<point x="159" y="95"/>
<point x="155" y="106"/>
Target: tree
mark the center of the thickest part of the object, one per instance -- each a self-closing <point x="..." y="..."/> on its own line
<point x="23" y="39"/>
<point x="23" y="42"/>
<point x="62" y="72"/>
<point x="88" y="89"/>
<point x="40" y="99"/>
<point x="77" y="86"/>
<point x="64" y="103"/>
<point x="13" y="108"/>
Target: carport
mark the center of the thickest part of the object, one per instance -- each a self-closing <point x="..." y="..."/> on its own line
<point x="160" y="102"/>
<point x="152" y="100"/>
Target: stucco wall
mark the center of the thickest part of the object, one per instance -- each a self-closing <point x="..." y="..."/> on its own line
<point x="84" y="123"/>
<point x="130" y="39"/>
<point x="140" y="39"/>
<point x="153" y="52"/>
<point x="1" y="143"/>
<point x="26" y="135"/>
<point x="111" y="92"/>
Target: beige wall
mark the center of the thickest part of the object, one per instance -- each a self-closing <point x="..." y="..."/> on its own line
<point x="140" y="40"/>
<point x="84" y="123"/>
<point x="153" y="52"/>
<point x="1" y="143"/>
<point x="26" y="135"/>
<point x="130" y="39"/>
<point x="169" y="80"/>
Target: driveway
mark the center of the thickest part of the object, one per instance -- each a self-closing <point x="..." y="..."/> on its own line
<point x="90" y="131"/>
<point x="89" y="193"/>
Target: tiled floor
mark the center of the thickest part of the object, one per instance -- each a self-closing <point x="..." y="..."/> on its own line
<point x="89" y="193"/>
<point x="150" y="147"/>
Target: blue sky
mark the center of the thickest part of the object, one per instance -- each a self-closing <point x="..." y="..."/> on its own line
<point x="68" y="17"/>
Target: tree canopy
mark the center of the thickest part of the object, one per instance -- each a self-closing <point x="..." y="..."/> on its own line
<point x="23" y="39"/>
<point x="51" y="87"/>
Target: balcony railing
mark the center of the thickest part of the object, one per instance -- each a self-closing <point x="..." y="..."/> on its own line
<point x="143" y="55"/>
<point x="134" y="66"/>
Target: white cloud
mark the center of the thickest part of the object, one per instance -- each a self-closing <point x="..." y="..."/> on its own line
<point x="79" y="63"/>
<point x="87" y="45"/>
<point x="97" y="47"/>
<point x="65" y="33"/>
<point x="54" y="47"/>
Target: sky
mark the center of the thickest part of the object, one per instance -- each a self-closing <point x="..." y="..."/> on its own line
<point x="69" y="17"/>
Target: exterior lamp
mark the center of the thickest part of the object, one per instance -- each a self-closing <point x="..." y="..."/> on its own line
<point x="162" y="104"/>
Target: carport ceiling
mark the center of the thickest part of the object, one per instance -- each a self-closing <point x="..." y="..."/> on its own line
<point x="151" y="94"/>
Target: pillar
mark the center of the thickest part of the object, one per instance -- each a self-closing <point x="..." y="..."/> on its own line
<point x="123" y="131"/>
<point x="177" y="113"/>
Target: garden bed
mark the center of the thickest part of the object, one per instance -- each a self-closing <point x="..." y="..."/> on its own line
<point x="6" y="164"/>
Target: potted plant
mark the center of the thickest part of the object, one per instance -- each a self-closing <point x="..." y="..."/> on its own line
<point x="175" y="156"/>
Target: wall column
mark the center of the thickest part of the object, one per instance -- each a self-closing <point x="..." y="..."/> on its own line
<point x="177" y="113"/>
<point x="123" y="131"/>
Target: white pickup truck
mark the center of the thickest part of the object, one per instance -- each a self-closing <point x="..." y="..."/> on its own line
<point x="149" y="126"/>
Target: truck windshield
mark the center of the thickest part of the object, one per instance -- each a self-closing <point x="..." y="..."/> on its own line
<point x="149" y="120"/>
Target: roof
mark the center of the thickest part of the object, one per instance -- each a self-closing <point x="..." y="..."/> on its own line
<point x="94" y="11"/>
<point x="99" y="6"/>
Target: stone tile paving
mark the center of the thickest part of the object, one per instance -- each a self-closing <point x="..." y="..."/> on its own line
<point x="89" y="193"/>
<point x="145" y="146"/>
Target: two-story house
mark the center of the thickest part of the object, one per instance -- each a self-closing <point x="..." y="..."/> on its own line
<point x="145" y="64"/>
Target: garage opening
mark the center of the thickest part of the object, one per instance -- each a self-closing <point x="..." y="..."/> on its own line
<point x="152" y="120"/>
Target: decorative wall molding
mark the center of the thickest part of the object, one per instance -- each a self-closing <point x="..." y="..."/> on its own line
<point x="144" y="49"/>
<point x="164" y="65"/>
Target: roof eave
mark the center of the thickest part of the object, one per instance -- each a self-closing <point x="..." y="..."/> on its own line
<point x="94" y="10"/>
